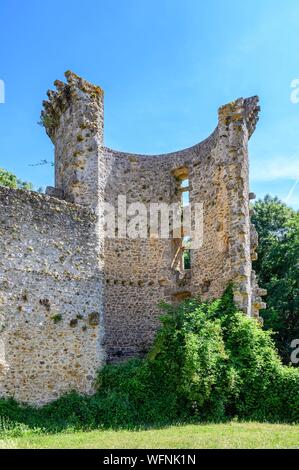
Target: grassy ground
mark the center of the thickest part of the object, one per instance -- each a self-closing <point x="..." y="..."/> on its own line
<point x="232" y="435"/>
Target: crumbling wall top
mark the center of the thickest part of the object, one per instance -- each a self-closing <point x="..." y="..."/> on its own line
<point x="46" y="203"/>
<point x="75" y="88"/>
<point x="241" y="109"/>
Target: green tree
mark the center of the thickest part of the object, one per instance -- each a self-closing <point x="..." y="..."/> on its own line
<point x="11" y="181"/>
<point x="277" y="269"/>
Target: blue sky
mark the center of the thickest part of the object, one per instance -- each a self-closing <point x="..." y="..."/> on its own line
<point x="165" y="65"/>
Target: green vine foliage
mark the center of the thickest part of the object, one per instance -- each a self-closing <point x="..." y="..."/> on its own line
<point x="209" y="362"/>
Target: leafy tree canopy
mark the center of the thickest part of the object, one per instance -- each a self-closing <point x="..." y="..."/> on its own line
<point x="11" y="181"/>
<point x="277" y="268"/>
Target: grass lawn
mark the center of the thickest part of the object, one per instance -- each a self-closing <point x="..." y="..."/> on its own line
<point x="231" y="435"/>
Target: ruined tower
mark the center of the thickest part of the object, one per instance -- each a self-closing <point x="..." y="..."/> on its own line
<point x="72" y="297"/>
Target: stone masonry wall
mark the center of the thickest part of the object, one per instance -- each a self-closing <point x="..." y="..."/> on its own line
<point x="50" y="298"/>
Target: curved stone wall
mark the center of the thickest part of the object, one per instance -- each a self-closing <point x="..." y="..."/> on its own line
<point x="140" y="273"/>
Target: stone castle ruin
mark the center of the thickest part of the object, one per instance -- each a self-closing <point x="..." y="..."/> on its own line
<point x="71" y="298"/>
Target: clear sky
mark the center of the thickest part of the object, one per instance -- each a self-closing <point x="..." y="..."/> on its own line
<point x="165" y="65"/>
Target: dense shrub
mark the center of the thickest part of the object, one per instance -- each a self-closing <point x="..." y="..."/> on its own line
<point x="209" y="362"/>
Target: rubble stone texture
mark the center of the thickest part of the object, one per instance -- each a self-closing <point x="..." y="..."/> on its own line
<point x="72" y="298"/>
